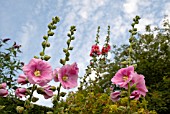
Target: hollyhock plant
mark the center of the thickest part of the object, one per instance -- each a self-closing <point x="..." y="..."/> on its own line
<point x="123" y="76"/>
<point x="95" y="50"/>
<point x="22" y="79"/>
<point x="115" y="96"/>
<point x="55" y="74"/>
<point x="106" y="49"/>
<point x="68" y="75"/>
<point x="38" y="72"/>
<point x="3" y="92"/>
<point x="20" y="92"/>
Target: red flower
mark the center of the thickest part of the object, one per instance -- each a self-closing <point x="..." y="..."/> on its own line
<point x="106" y="49"/>
<point x="95" y="50"/>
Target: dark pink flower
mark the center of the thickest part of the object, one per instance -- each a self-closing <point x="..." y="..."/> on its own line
<point x="22" y="79"/>
<point x="95" y="50"/>
<point x="3" y="86"/>
<point x="55" y="74"/>
<point x="3" y="92"/>
<point x="135" y="95"/>
<point x="47" y="92"/>
<point x="68" y="75"/>
<point x="123" y="76"/>
<point x="106" y="49"/>
<point x="115" y="96"/>
<point x="38" y="72"/>
<point x="21" y="92"/>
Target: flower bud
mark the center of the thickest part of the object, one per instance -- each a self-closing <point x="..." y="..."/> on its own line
<point x="50" y="26"/>
<point x="35" y="99"/>
<point x="49" y="112"/>
<point x="50" y="33"/>
<point x="72" y="38"/>
<point x="67" y="54"/>
<point x="45" y="37"/>
<point x="62" y="94"/>
<point x="124" y="62"/>
<point x="70" y="48"/>
<point x="133" y="24"/>
<point x="53" y="88"/>
<point x="47" y="57"/>
<point x="64" y="50"/>
<point x="48" y="44"/>
<point x="43" y="44"/>
<point x="53" y="27"/>
<point x="62" y="61"/>
<point x="36" y="57"/>
<point x="69" y="35"/>
<point x="57" y="19"/>
<point x="42" y="53"/>
<point x="19" y="109"/>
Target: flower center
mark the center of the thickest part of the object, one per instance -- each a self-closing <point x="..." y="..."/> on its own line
<point x="65" y="78"/>
<point x="37" y="73"/>
<point x="125" y="78"/>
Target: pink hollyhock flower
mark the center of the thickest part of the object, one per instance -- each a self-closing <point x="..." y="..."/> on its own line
<point x="3" y="92"/>
<point x="22" y="79"/>
<point x="115" y="96"/>
<point x="95" y="50"/>
<point x="123" y="76"/>
<point x="135" y="95"/>
<point x="20" y="92"/>
<point x="38" y="72"/>
<point x="68" y="75"/>
<point x="139" y="81"/>
<point x="55" y="74"/>
<point x="3" y="86"/>
<point x="47" y="92"/>
<point x="106" y="49"/>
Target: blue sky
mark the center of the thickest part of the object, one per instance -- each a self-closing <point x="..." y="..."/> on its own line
<point x="25" y="21"/>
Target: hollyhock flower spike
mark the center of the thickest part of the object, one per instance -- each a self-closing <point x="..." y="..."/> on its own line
<point x="3" y="86"/>
<point x="22" y="79"/>
<point x="3" y="92"/>
<point x="38" y="72"/>
<point x="115" y="96"/>
<point x="123" y="76"/>
<point x="68" y="75"/>
<point x="55" y="74"/>
<point x="20" y="92"/>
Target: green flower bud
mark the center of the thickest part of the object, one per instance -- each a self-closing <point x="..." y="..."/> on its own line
<point x="50" y="26"/>
<point x="68" y="42"/>
<point x="49" y="112"/>
<point x="57" y="19"/>
<point x="136" y="22"/>
<point x="62" y="94"/>
<point x="36" y="57"/>
<point x="53" y="27"/>
<point x="43" y="44"/>
<point x="50" y="33"/>
<point x="42" y="53"/>
<point x="40" y="90"/>
<point x="69" y="35"/>
<point x="67" y="59"/>
<point x="53" y="88"/>
<point x="67" y="54"/>
<point x="65" y="50"/>
<point x="72" y="38"/>
<point x="70" y="48"/>
<point x="62" y="61"/>
<point x="35" y="99"/>
<point x="47" y="57"/>
<point x="20" y="109"/>
<point x="133" y="24"/>
<point x="135" y="29"/>
<point x="45" y="37"/>
<point x="48" y="44"/>
<point x="124" y="62"/>
<point x="134" y="33"/>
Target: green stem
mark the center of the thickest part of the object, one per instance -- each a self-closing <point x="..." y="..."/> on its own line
<point x="58" y="96"/>
<point x="128" y="103"/>
<point x="33" y="89"/>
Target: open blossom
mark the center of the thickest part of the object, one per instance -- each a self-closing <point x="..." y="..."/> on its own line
<point x="115" y="96"/>
<point x="106" y="49"/>
<point x="95" y="50"/>
<point x="20" y="92"/>
<point x="22" y="79"/>
<point x="38" y="72"/>
<point x="68" y="75"/>
<point x="135" y="95"/>
<point x="139" y="82"/>
<point x="123" y="76"/>
<point x="55" y="74"/>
